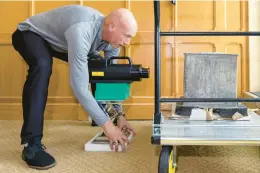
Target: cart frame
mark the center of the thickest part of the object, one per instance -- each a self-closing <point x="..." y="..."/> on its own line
<point x="169" y="149"/>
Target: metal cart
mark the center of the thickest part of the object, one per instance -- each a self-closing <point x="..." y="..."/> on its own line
<point x="169" y="133"/>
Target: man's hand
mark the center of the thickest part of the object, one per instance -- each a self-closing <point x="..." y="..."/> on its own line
<point x="124" y="125"/>
<point x="115" y="136"/>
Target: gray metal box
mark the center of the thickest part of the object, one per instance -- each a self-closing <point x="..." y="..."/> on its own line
<point x="210" y="75"/>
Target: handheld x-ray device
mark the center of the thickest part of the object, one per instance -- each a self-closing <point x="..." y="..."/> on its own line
<point x="111" y="82"/>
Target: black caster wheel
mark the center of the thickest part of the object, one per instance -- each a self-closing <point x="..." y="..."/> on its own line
<point x="166" y="160"/>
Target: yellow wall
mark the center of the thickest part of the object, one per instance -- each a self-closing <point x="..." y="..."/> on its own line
<point x="185" y="16"/>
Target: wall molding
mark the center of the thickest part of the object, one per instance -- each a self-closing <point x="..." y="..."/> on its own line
<point x="5" y="38"/>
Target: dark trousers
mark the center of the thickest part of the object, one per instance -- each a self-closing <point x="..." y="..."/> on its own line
<point x="38" y="54"/>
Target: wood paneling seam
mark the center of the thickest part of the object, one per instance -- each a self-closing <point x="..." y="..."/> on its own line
<point x="81" y="2"/>
<point x="225" y="14"/>
<point x="176" y="15"/>
<point x="32" y="7"/>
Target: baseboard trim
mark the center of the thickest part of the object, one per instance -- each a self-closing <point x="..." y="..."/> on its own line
<point x="61" y="111"/>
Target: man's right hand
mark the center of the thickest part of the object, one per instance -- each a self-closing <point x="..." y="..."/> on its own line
<point x="115" y="136"/>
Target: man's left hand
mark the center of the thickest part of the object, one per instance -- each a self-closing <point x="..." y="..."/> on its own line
<point x="124" y="125"/>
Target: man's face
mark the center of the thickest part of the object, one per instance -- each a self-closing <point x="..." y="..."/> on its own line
<point x="121" y="36"/>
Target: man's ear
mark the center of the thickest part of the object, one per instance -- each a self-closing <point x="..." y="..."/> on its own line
<point x="112" y="26"/>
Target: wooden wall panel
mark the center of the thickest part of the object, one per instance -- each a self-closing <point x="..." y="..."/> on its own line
<point x="11" y="13"/>
<point x="12" y="69"/>
<point x="215" y="16"/>
<point x="144" y="15"/>
<point x="106" y="6"/>
<point x="61" y="102"/>
<point x="12" y="73"/>
<point x="42" y="6"/>
<point x="234" y="17"/>
<point x="184" y="16"/>
<point x="194" y="16"/>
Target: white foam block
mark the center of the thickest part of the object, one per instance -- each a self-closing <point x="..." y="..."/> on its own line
<point x="100" y="143"/>
<point x="198" y="114"/>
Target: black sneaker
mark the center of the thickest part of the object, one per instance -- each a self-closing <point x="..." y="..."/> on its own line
<point x="36" y="157"/>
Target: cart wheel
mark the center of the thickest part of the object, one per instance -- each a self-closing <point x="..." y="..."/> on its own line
<point x="166" y="160"/>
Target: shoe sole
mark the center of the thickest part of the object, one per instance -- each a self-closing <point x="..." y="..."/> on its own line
<point x="43" y="167"/>
<point x="40" y="167"/>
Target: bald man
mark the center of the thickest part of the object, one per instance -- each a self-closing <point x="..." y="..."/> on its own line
<point x="71" y="33"/>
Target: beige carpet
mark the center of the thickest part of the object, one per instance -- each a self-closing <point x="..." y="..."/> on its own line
<point x="65" y="140"/>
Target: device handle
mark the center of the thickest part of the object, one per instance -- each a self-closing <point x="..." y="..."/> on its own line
<point x="94" y="56"/>
<point x="122" y="57"/>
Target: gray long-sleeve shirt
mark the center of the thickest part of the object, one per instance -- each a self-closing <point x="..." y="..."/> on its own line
<point x="76" y="30"/>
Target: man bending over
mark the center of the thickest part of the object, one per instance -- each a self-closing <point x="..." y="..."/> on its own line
<point x="70" y="33"/>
